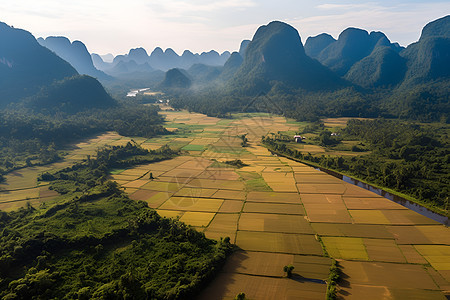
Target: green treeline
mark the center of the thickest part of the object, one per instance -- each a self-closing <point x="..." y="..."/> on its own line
<point x="28" y="138"/>
<point x="410" y="158"/>
<point x="424" y="103"/>
<point x="96" y="243"/>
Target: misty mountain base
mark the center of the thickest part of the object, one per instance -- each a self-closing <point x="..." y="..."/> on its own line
<point x="96" y="243"/>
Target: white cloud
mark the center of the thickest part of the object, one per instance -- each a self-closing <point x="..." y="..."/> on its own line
<point x="330" y="6"/>
<point x="197" y="10"/>
<point x="204" y="6"/>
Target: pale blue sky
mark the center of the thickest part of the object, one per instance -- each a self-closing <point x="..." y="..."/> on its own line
<point x="115" y="26"/>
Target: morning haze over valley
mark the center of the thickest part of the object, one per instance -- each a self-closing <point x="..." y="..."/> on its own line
<point x="224" y="149"/>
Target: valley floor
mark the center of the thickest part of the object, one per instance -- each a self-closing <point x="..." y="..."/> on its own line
<point x="277" y="211"/>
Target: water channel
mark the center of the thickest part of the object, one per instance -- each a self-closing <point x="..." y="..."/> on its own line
<point x="397" y="199"/>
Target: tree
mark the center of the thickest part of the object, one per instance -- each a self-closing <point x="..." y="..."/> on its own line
<point x="288" y="270"/>
<point x="244" y="139"/>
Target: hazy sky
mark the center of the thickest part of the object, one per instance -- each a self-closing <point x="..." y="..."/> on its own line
<point x="201" y="25"/>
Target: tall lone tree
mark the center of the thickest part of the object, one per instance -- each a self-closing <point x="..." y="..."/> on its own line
<point x="288" y="270"/>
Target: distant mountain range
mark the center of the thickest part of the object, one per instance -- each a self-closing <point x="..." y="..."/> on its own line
<point x="41" y="80"/>
<point x="360" y="72"/>
<point x="138" y="60"/>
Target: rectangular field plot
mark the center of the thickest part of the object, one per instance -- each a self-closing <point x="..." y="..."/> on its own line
<point x="199" y="219"/>
<point x="383" y="250"/>
<point x="223" y="225"/>
<point x="321" y="199"/>
<point x="163" y="186"/>
<point x="369" y="217"/>
<point x="302" y="168"/>
<point x="158" y="199"/>
<point x="217" y="184"/>
<point x="191" y="147"/>
<point x="315" y="267"/>
<point x="352" y="230"/>
<point x="162" y="166"/>
<point x="218" y="175"/>
<point x="231" y="206"/>
<point x="274" y="223"/>
<point x="274" y="208"/>
<point x="143" y="195"/>
<point x="229" y="194"/>
<point x="14" y="205"/>
<point x="369" y="292"/>
<point x="407" y="217"/>
<point x="182" y="173"/>
<point x="8" y="196"/>
<point x="273" y="197"/>
<point x="388" y="275"/>
<point x="224" y="222"/>
<point x="394" y="217"/>
<point x="411" y="255"/>
<point x="283" y="186"/>
<point x="439" y="279"/>
<point x="371" y="203"/>
<point x="180" y="181"/>
<point x="436" y="234"/>
<point x="228" y="285"/>
<point x="356" y="191"/>
<point x="196" y="164"/>
<point x="204" y="141"/>
<point x="437" y="255"/>
<point x="315" y="177"/>
<point x="408" y="235"/>
<point x="327" y="213"/>
<point x="192" y="204"/>
<point x="22" y="179"/>
<point x="278" y="242"/>
<point x="316" y="188"/>
<point x="153" y="198"/>
<point x="136" y="183"/>
<point x="345" y="248"/>
<point x="195" y="192"/>
<point x="259" y="263"/>
<point x="270" y="175"/>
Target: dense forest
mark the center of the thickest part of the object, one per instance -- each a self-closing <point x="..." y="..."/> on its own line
<point x="410" y="158"/>
<point x="298" y="104"/>
<point x="28" y="138"/>
<point x="96" y="243"/>
<point x="302" y="105"/>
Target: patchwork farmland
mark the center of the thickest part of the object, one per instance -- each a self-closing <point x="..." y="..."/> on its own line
<point x="277" y="211"/>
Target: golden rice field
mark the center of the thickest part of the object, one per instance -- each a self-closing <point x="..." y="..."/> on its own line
<point x="275" y="210"/>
